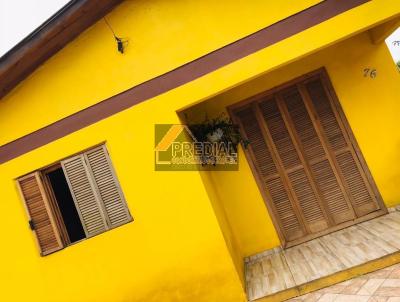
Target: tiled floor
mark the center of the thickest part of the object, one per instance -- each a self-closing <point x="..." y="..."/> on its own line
<point x="272" y="272"/>
<point x="379" y="286"/>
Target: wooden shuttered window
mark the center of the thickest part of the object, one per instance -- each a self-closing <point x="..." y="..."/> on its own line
<point x="305" y="161"/>
<point x="96" y="194"/>
<point x="40" y="214"/>
<point x="96" y="191"/>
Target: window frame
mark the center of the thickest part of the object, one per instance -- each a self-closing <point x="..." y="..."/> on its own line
<point x="52" y="207"/>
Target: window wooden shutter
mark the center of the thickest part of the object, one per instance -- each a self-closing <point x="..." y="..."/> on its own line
<point x="40" y="214"/>
<point x="85" y="196"/>
<point x="108" y="187"/>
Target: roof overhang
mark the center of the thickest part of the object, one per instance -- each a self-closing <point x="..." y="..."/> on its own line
<point x="49" y="38"/>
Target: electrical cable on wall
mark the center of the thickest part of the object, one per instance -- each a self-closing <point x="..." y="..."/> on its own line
<point x="121" y="43"/>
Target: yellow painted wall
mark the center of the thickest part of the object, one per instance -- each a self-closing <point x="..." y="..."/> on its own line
<point x="182" y="245"/>
<point x="162" y="35"/>
<point x="371" y="106"/>
<point x="236" y="252"/>
<point x="173" y="251"/>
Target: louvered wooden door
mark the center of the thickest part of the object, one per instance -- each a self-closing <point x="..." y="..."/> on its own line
<point x="305" y="161"/>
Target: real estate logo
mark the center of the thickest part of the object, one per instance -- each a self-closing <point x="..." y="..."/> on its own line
<point x="177" y="149"/>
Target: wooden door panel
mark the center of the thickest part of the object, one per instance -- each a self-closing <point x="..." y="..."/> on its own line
<point x="287" y="215"/>
<point x="355" y="181"/>
<point x="271" y="179"/>
<point x="280" y="134"/>
<point x="299" y="183"/>
<point x="309" y="205"/>
<point x="327" y="181"/>
<point x="303" y="125"/>
<point x="252" y="130"/>
<point x="364" y="202"/>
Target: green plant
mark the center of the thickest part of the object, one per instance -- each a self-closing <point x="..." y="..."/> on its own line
<point x="219" y="137"/>
<point x="216" y="130"/>
<point x="398" y="65"/>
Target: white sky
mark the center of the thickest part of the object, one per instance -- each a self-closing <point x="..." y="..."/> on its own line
<point x="18" y="18"/>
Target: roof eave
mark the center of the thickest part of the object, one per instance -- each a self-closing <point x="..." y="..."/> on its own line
<point x="48" y="39"/>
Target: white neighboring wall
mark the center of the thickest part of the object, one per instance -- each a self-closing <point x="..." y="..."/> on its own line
<point x="394" y="49"/>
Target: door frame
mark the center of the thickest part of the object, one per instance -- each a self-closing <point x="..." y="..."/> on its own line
<point x="322" y="74"/>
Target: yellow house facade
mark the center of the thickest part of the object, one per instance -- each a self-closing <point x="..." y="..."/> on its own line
<point x="185" y="235"/>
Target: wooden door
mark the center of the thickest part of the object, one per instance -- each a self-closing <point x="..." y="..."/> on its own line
<point x="306" y="160"/>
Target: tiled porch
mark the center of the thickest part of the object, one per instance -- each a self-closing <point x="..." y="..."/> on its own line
<point x="293" y="270"/>
<point x="380" y="286"/>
